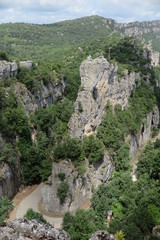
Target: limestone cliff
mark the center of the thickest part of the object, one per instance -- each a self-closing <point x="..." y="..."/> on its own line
<point x="144" y="134"/>
<point x="22" y="229"/>
<point x="99" y="83"/>
<point x="80" y="186"/>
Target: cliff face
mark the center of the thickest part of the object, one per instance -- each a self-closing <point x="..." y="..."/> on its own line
<point x="9" y="180"/>
<point x="144" y="134"/>
<point x="44" y="96"/>
<point x="80" y="186"/>
<point x="99" y="84"/>
<point x="22" y="229"/>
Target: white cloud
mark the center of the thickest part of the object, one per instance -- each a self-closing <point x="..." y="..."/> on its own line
<point x="129" y="9"/>
<point x="46" y="11"/>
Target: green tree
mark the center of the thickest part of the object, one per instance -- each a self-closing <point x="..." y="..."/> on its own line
<point x="62" y="191"/>
<point x="5" y="207"/>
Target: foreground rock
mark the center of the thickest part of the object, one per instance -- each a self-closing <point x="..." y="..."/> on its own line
<point x="26" y="230"/>
<point x="102" y="235"/>
<point x="99" y="83"/>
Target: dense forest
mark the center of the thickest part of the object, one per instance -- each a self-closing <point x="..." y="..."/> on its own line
<point x="135" y="205"/>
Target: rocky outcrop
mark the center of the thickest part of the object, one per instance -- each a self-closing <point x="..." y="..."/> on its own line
<point x="102" y="235"/>
<point x="80" y="186"/>
<point x="8" y="69"/>
<point x="99" y="83"/>
<point x="44" y="96"/>
<point x="144" y="134"/>
<point x="22" y="229"/>
<point x="9" y="180"/>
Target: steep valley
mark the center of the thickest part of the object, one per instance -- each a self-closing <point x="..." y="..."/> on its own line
<point x="84" y="127"/>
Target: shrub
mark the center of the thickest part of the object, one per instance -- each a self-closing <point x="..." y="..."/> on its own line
<point x="61" y="176"/>
<point x="62" y="191"/>
<point x="5" y="207"/>
<point x="31" y="214"/>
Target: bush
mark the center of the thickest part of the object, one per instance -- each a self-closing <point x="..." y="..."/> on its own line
<point x="62" y="191"/>
<point x="93" y="148"/>
<point x="61" y="176"/>
<point x="3" y="56"/>
<point x="31" y="214"/>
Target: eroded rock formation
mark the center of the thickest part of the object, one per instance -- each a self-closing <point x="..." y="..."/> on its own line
<point x="80" y="186"/>
<point x="99" y="83"/>
<point x="22" y="229"/>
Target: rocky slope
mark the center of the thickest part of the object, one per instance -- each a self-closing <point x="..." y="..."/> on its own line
<point x="27" y="230"/>
<point x="99" y="83"/>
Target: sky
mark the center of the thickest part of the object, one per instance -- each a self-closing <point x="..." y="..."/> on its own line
<point x="50" y="11"/>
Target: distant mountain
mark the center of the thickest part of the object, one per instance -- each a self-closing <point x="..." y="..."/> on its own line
<point x="33" y="41"/>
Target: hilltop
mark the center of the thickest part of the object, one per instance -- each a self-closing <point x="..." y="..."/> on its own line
<point x="36" y="42"/>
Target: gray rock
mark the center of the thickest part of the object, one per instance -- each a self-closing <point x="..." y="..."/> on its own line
<point x="99" y="84"/>
<point x="8" y="69"/>
<point x="102" y="235"/>
<point x="80" y="187"/>
<point x="22" y="229"/>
